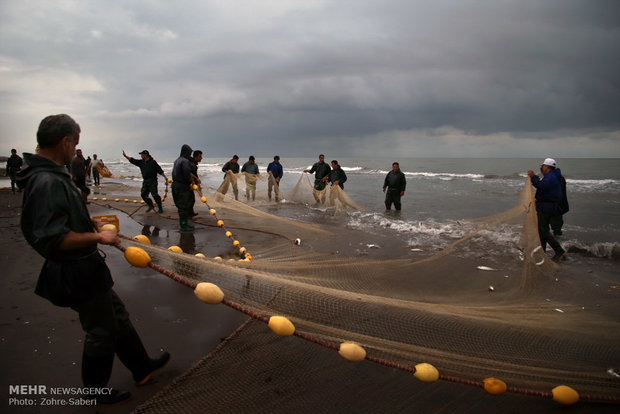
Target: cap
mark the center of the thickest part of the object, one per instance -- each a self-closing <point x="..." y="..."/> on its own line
<point x="549" y="161"/>
<point x="145" y="152"/>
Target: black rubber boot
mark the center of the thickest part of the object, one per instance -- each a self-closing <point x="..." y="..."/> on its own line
<point x="184" y="226"/>
<point x="132" y="354"/>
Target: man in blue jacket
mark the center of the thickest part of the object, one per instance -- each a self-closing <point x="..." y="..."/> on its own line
<point x="276" y="172"/>
<point x="548" y="198"/>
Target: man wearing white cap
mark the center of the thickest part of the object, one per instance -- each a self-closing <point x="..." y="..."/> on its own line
<point x="548" y="198"/>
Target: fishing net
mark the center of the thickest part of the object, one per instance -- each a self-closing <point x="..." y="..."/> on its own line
<point x="474" y="308"/>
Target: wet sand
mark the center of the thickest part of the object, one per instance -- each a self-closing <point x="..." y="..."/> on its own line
<point x="41" y="343"/>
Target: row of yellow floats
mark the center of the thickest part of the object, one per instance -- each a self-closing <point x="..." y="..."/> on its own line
<point x="220" y="223"/>
<point x="211" y="294"/>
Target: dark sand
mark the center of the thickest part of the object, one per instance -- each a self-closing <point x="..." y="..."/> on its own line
<point x="41" y="343"/>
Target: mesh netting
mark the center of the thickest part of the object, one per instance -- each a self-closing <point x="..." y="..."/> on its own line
<point x="412" y="307"/>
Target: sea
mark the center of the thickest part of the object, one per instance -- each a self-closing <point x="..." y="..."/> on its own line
<point x="441" y="193"/>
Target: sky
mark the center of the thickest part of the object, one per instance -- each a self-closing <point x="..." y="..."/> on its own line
<point x="360" y="78"/>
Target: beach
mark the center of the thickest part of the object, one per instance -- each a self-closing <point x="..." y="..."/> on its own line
<point x="41" y="343"/>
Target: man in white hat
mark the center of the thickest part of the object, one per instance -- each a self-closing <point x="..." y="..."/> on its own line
<point x="548" y="198"/>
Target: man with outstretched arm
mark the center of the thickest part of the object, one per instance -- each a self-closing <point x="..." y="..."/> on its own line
<point x="149" y="169"/>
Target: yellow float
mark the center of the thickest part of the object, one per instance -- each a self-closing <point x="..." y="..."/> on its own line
<point x="565" y="395"/>
<point x="426" y="372"/>
<point x="209" y="293"/>
<point x="352" y="352"/>
<point x="494" y="386"/>
<point x="137" y="257"/>
<point x="109" y="227"/>
<point x="281" y="326"/>
<point x="142" y="239"/>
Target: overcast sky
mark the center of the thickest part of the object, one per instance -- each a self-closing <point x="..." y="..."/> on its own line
<point x="348" y="78"/>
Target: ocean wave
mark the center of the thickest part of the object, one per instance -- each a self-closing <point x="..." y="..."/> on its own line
<point x="416" y="233"/>
<point x="606" y="250"/>
<point x="430" y="235"/>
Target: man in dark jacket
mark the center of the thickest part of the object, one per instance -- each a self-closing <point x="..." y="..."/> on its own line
<point x="78" y="169"/>
<point x="182" y="181"/>
<point x="13" y="165"/>
<point x="56" y="223"/>
<point x="548" y="198"/>
<point x="394" y="187"/>
<point x="321" y="170"/>
<point x="336" y="175"/>
<point x="230" y="168"/>
<point x="149" y="169"/>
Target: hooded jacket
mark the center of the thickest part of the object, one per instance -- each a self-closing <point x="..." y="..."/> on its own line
<point x="52" y="207"/>
<point x="339" y="175"/>
<point x="549" y="192"/>
<point x="182" y="169"/>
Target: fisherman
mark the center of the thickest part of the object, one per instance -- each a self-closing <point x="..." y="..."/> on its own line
<point x="13" y="165"/>
<point x="87" y="166"/>
<point x="321" y="170"/>
<point x="182" y="181"/>
<point x="548" y="198"/>
<point x="78" y="170"/>
<point x="149" y="169"/>
<point x="394" y="187"/>
<point x="56" y="223"/>
<point x="251" y="171"/>
<point x="196" y="158"/>
<point x="557" y="222"/>
<point x="230" y="168"/>
<point x="336" y="175"/>
<point x="275" y="171"/>
<point x="95" y="163"/>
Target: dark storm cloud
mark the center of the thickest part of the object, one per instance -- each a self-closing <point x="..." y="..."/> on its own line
<point x="351" y="77"/>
